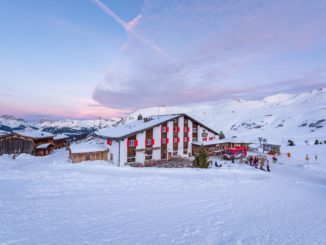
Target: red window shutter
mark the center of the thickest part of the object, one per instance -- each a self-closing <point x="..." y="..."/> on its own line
<point x="178" y="139"/>
<point x="128" y="143"/>
<point x="188" y="129"/>
<point x="167" y="129"/>
<point x="109" y="142"/>
<point x="188" y="139"/>
<point x="153" y="141"/>
<point x="136" y="142"/>
<point x="167" y="140"/>
<point x="178" y="129"/>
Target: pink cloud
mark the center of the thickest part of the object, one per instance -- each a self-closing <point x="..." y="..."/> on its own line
<point x="134" y="22"/>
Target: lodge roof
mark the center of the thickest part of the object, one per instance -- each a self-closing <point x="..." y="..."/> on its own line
<point x="130" y="128"/>
<point x="44" y="146"/>
<point x="87" y="148"/>
<point x="218" y="141"/>
<point x="60" y="137"/>
<point x="35" y="134"/>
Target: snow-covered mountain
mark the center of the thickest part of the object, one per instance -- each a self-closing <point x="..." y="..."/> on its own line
<point x="280" y="116"/>
<point x="10" y="123"/>
<point x="73" y="128"/>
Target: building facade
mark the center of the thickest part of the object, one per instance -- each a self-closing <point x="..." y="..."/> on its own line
<point x="155" y="138"/>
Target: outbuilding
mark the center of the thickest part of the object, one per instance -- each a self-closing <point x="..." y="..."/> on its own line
<point x="88" y="152"/>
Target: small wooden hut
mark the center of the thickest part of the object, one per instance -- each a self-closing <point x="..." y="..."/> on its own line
<point x="60" y="141"/>
<point x="44" y="149"/>
<point x="88" y="152"/>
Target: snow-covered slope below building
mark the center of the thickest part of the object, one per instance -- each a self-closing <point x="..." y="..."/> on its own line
<point x="277" y="116"/>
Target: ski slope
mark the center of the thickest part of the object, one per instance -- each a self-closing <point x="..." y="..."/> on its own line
<point x="277" y="116"/>
<point x="47" y="200"/>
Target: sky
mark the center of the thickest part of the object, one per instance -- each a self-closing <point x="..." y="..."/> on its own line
<point x="107" y="58"/>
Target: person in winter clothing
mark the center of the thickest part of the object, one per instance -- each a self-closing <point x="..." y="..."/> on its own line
<point x="255" y="162"/>
<point x="267" y="165"/>
<point x="316" y="157"/>
<point x="232" y="159"/>
<point x="251" y="160"/>
<point x="274" y="159"/>
<point x="262" y="163"/>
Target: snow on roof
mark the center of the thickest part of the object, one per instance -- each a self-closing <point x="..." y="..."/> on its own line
<point x="134" y="126"/>
<point x="86" y="148"/>
<point x="60" y="137"/>
<point x="34" y="134"/>
<point x="218" y="141"/>
<point x="43" y="146"/>
<point x="3" y="133"/>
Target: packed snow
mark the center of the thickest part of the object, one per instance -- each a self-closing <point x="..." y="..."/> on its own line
<point x="48" y="200"/>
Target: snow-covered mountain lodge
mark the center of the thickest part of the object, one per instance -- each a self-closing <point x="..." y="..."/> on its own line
<point x="155" y="138"/>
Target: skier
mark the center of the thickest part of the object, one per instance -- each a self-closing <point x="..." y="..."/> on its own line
<point x="232" y="159"/>
<point x="316" y="157"/>
<point x="250" y="160"/>
<point x="267" y="165"/>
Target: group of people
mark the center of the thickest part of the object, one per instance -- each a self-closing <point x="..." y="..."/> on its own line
<point x="260" y="161"/>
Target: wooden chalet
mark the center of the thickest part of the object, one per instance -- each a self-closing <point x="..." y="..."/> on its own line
<point x="30" y="142"/>
<point x="61" y="141"/>
<point x="87" y="152"/>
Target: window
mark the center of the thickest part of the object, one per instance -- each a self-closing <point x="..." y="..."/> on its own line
<point x="194" y="130"/>
<point x="175" y="140"/>
<point x="186" y="129"/>
<point x="186" y="139"/>
<point x="175" y="129"/>
<point x="211" y="138"/>
<point x="165" y="141"/>
<point x="131" y="142"/>
<point x="204" y="139"/>
<point x="148" y="141"/>
<point x="164" y="130"/>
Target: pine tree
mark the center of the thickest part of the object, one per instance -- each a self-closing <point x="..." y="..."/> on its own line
<point x="201" y="159"/>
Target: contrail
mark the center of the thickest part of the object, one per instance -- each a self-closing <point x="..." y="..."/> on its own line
<point x="122" y="23"/>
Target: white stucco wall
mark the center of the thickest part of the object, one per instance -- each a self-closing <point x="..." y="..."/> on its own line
<point x="157" y="142"/>
<point x="201" y="130"/>
<point x="123" y="152"/>
<point x="140" y="155"/>
<point x="181" y="135"/>
<point x="114" y="150"/>
<point x="190" y="136"/>
<point x="170" y="136"/>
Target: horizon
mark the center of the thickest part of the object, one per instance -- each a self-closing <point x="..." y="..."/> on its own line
<point x="62" y="60"/>
<point x="39" y="118"/>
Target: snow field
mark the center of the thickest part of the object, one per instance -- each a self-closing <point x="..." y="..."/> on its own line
<point x="47" y="200"/>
